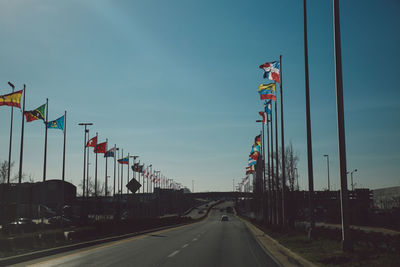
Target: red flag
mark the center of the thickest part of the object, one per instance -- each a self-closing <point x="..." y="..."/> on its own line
<point x="92" y="142"/>
<point x="263" y="116"/>
<point x="100" y="148"/>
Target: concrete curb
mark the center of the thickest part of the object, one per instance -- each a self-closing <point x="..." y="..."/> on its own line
<point x="282" y="255"/>
<point x="48" y="252"/>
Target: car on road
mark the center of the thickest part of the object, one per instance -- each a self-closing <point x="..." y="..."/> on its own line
<point x="224" y="218"/>
<point x="19" y="225"/>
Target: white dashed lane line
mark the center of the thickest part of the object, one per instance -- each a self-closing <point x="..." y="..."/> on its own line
<point x="194" y="239"/>
<point x="173" y="253"/>
<point x="184" y="246"/>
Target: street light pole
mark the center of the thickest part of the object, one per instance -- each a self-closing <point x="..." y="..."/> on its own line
<point x="351" y="175"/>
<point x="84" y="154"/>
<point x="327" y="162"/>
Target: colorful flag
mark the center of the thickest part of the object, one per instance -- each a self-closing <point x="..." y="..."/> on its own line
<point x="110" y="153"/>
<point x="268" y="106"/>
<point x="252" y="161"/>
<point x="36" y="114"/>
<point x="257" y="140"/>
<point x="12" y="100"/>
<point x="124" y="161"/>
<point x="100" y="148"/>
<point x="92" y="142"/>
<point x="271" y="70"/>
<point x="250" y="169"/>
<point x="267" y="94"/>
<point x="264" y="116"/>
<point x="56" y="124"/>
<point x="267" y="86"/>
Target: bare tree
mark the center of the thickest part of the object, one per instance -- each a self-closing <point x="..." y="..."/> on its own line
<point x="100" y="188"/>
<point x="4" y="171"/>
<point x="291" y="160"/>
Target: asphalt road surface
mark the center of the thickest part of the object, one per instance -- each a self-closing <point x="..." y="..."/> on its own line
<point x="210" y="242"/>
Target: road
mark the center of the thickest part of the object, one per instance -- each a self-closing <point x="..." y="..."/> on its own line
<point x="206" y="243"/>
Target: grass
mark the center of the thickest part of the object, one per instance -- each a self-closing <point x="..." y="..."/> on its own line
<point x="326" y="252"/>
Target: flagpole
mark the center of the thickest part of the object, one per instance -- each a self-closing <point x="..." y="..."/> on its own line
<point x="10" y="147"/>
<point x="308" y="121"/>
<point x="274" y="215"/>
<point x="346" y="238"/>
<point x="118" y="173"/>
<point x="87" y="167"/>
<point x="45" y="139"/>
<point x="283" y="147"/>
<point x="21" y="155"/>
<point x="127" y="178"/>
<point x="95" y="173"/>
<point x="115" y="148"/>
<point x="122" y="170"/>
<point x="105" y="193"/>
<point x="269" y="175"/>
<point x="278" y="211"/>
<point x="65" y="134"/>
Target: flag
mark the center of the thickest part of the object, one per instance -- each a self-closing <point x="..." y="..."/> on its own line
<point x="100" y="148"/>
<point x="257" y="140"/>
<point x="271" y="70"/>
<point x="12" y="100"/>
<point x="268" y="106"/>
<point x="252" y="161"/>
<point x="56" y="124"/>
<point x="124" y="161"/>
<point x="267" y="94"/>
<point x="264" y="116"/>
<point x="267" y="86"/>
<point x="250" y="169"/>
<point x="255" y="155"/>
<point x="36" y="114"/>
<point x="92" y="142"/>
<point x="110" y="153"/>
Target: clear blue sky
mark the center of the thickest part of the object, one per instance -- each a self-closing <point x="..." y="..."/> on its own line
<point x="176" y="83"/>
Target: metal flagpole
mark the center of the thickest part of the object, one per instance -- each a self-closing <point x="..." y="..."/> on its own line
<point x="115" y="148"/>
<point x="105" y="193"/>
<point x="87" y="168"/>
<point x="11" y="130"/>
<point x="118" y="173"/>
<point x="346" y="239"/>
<point x="65" y="134"/>
<point x="278" y="206"/>
<point x="127" y="178"/>
<point x="45" y="139"/>
<point x="269" y="175"/>
<point x="95" y="173"/>
<point x="122" y="171"/>
<point x="283" y="148"/>
<point x="309" y="140"/>
<point x="274" y="214"/>
<point x="21" y="155"/>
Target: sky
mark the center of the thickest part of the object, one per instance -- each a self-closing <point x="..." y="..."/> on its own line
<point x="175" y="82"/>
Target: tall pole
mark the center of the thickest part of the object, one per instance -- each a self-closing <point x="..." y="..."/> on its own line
<point x="127" y="175"/>
<point x="21" y="155"/>
<point x="65" y="136"/>
<point x="10" y="147"/>
<point x="309" y="141"/>
<point x="327" y="163"/>
<point x="283" y="149"/>
<point x="346" y="239"/>
<point x="278" y="206"/>
<point x="105" y="193"/>
<point x="118" y="173"/>
<point x="274" y="189"/>
<point x="45" y="139"/>
<point x="269" y="175"/>
<point x="122" y="171"/>
<point x="115" y="163"/>
<point x="84" y="154"/>
<point x="87" y="168"/>
<point x="95" y="172"/>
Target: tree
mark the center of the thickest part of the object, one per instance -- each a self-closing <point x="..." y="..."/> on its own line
<point x="4" y="171"/>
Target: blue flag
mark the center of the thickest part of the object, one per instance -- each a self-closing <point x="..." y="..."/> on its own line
<point x="56" y="124"/>
<point x="268" y="106"/>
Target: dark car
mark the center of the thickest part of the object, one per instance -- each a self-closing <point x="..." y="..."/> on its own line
<point x="224" y="218"/>
<point x="20" y="225"/>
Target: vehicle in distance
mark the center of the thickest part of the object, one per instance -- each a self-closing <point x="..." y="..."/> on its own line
<point x="224" y="218"/>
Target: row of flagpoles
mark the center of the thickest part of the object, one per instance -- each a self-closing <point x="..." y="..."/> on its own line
<point x="151" y="177"/>
<point x="13" y="100"/>
<point x="265" y="150"/>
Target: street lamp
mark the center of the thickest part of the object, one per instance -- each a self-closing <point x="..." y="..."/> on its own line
<point x="327" y="162"/>
<point x="351" y="175"/>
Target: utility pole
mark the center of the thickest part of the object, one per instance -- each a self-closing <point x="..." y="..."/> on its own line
<point x="327" y="162"/>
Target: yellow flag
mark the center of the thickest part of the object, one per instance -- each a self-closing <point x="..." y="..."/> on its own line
<point x="268" y="86"/>
<point x="13" y="99"/>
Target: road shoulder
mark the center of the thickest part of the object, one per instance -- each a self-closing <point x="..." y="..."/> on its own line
<point x="282" y="255"/>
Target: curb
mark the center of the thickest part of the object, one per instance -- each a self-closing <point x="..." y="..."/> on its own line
<point x="48" y="252"/>
<point x="280" y="254"/>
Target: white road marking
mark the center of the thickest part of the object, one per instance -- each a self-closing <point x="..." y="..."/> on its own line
<point x="194" y="239"/>
<point x="173" y="253"/>
<point x="184" y="246"/>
